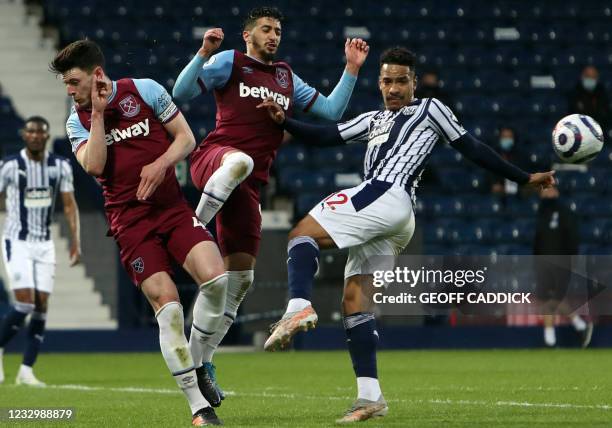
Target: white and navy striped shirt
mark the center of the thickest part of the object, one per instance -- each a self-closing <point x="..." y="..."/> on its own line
<point x="31" y="189"/>
<point x="400" y="142"/>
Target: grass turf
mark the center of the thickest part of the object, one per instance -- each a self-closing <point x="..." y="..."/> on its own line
<point x="311" y="389"/>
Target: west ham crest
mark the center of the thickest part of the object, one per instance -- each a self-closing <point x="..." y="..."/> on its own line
<point x="282" y="77"/>
<point x="138" y="265"/>
<point x="129" y="106"/>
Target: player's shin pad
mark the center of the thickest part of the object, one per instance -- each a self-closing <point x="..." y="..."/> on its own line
<point x="208" y="313"/>
<point x="238" y="285"/>
<point x="172" y="339"/>
<point x="235" y="169"/>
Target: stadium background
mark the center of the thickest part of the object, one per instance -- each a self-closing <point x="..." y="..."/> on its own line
<point x="503" y="63"/>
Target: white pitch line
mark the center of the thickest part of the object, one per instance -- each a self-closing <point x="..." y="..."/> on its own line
<point x="294" y="396"/>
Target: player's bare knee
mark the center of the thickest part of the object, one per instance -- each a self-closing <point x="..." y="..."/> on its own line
<point x="24" y="295"/>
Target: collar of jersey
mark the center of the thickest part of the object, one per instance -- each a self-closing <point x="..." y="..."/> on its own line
<point x="113" y="92"/>
<point x="261" y="63"/>
<point x="25" y="157"/>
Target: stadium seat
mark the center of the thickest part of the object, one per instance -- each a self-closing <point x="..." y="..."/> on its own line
<point x="291" y="155"/>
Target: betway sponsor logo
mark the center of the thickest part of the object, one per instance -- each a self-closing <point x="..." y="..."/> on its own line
<point x="116" y="135"/>
<point x="263" y="93"/>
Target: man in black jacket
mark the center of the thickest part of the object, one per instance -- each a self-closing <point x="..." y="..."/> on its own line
<point x="556" y="240"/>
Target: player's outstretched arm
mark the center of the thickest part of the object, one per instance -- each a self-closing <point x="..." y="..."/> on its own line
<point x="92" y="156"/>
<point x="186" y="86"/>
<point x="153" y="174"/>
<point x="333" y="106"/>
<point x="315" y="134"/>
<point x="71" y="211"/>
<point x="485" y="157"/>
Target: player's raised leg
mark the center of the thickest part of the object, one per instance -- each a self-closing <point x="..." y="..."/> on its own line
<point x="234" y="167"/>
<point x="362" y="339"/>
<point x="162" y="295"/>
<point x="204" y="264"/>
<point x="36" y="332"/>
<point x="305" y="241"/>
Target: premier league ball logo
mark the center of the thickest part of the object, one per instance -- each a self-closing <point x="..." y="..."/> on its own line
<point x="129" y="106"/>
<point x="282" y="77"/>
<point x="138" y="265"/>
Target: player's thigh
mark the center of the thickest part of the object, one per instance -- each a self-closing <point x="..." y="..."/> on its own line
<point x="204" y="262"/>
<point x="24" y="295"/>
<point x="308" y="226"/>
<point x="44" y="265"/>
<point x="192" y="245"/>
<point x="239" y="222"/>
<point x="373" y="256"/>
<point x="144" y="259"/>
<point x="159" y="289"/>
<point x="19" y="264"/>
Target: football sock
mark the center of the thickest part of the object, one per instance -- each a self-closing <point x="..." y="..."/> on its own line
<point x="550" y="338"/>
<point x="175" y="350"/>
<point x="208" y="314"/>
<point x="296" y="305"/>
<point x="36" y="333"/>
<point x="362" y="338"/>
<point x="235" y="168"/>
<point x="302" y="266"/>
<point x="578" y="323"/>
<point x="13" y="321"/>
<point x="368" y="388"/>
<point x="237" y="286"/>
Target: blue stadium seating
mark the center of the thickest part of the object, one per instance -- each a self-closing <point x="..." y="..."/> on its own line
<point x="488" y="81"/>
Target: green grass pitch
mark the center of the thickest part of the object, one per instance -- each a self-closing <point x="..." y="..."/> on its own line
<point x="311" y="389"/>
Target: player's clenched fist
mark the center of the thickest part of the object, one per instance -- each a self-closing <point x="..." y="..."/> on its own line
<point x="274" y="110"/>
<point x="356" y="52"/>
<point x="211" y="41"/>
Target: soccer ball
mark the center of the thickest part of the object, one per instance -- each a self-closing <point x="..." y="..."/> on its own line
<point x="577" y="138"/>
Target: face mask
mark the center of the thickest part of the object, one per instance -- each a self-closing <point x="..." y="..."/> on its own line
<point x="589" y="83"/>
<point x="506" y="143"/>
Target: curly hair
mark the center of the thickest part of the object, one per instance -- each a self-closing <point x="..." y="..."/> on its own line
<point x="262" y="12"/>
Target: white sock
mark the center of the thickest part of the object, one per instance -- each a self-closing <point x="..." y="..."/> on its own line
<point x="235" y="168"/>
<point x="550" y="338"/>
<point x="26" y="370"/>
<point x="207" y="315"/>
<point x="578" y="323"/>
<point x="175" y="350"/>
<point x="368" y="388"/>
<point x="298" y="304"/>
<point x="239" y="282"/>
<point x="1" y="365"/>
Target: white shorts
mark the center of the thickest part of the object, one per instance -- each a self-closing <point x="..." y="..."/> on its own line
<point x="372" y="219"/>
<point x="29" y="264"/>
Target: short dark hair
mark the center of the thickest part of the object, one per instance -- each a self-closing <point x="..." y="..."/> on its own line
<point x="262" y="12"/>
<point x="37" y="119"/>
<point x="84" y="54"/>
<point x="400" y="56"/>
